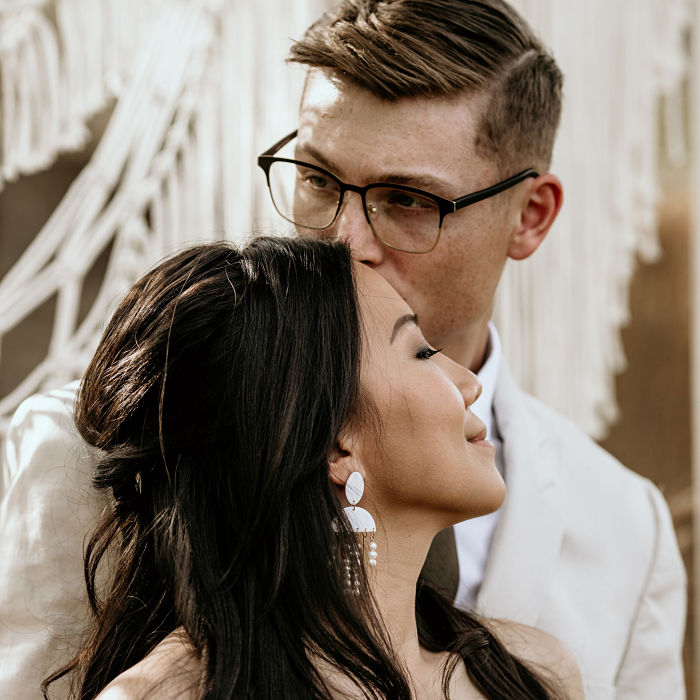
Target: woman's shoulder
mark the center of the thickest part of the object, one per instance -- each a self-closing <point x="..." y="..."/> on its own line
<point x="171" y="670"/>
<point x="542" y="652"/>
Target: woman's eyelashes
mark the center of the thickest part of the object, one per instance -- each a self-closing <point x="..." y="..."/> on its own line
<point x="426" y="353"/>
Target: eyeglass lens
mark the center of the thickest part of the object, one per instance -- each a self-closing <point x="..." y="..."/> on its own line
<point x="310" y="199"/>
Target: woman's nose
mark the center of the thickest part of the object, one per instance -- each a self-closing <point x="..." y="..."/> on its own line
<point x="465" y="380"/>
<point x="470" y="387"/>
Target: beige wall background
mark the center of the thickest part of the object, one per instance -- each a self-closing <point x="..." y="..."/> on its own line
<point x="653" y="433"/>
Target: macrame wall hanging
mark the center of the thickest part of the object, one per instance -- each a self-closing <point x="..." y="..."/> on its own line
<point x="60" y="62"/>
<point x="200" y="89"/>
<point x="560" y="312"/>
<point x="200" y="86"/>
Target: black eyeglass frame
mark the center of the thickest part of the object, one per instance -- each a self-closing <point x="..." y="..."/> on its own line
<point x="445" y="206"/>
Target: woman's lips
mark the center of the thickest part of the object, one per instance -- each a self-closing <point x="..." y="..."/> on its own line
<point x="480" y="438"/>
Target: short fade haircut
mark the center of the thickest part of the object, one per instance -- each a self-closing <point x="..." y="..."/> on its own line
<point x="412" y="48"/>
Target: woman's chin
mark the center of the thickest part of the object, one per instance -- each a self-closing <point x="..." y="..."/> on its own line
<point x="489" y="501"/>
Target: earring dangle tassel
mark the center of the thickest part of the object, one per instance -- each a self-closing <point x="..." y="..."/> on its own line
<point x="372" y="557"/>
<point x="362" y="523"/>
<point x="360" y="520"/>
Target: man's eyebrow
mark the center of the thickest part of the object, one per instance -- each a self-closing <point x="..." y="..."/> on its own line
<point x="421" y="182"/>
<point x="307" y="149"/>
<point x="401" y="322"/>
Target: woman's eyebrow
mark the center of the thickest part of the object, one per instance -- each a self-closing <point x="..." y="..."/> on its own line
<point x="401" y="322"/>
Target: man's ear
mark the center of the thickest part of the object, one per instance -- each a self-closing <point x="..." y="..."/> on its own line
<point x="537" y="213"/>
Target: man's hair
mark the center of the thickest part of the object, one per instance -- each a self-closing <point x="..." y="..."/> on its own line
<point x="410" y="48"/>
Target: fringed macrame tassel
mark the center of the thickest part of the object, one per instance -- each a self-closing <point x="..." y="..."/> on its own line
<point x="146" y="155"/>
<point x="60" y="63"/>
<point x="29" y="64"/>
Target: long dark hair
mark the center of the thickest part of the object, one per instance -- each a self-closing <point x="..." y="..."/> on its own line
<point x="218" y="390"/>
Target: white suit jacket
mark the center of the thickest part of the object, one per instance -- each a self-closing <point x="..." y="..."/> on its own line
<point x="585" y="550"/>
<point x="47" y="510"/>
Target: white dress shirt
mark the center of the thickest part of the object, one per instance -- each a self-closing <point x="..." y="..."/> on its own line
<point x="473" y="537"/>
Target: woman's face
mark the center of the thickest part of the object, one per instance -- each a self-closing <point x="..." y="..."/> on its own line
<point x="428" y="457"/>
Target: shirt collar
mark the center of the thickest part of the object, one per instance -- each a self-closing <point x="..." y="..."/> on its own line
<point x="488" y="374"/>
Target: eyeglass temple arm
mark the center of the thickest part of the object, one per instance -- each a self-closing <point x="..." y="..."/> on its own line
<point x="494" y="189"/>
<point x="280" y="144"/>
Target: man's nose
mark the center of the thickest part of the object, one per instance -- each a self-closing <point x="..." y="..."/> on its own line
<point x="353" y="227"/>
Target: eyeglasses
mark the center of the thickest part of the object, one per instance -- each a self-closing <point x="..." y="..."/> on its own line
<point x="403" y="218"/>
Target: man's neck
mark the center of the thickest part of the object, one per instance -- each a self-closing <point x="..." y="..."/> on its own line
<point x="468" y="346"/>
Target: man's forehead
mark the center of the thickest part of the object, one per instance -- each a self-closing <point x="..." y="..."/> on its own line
<point x="336" y="107"/>
<point x="426" y="143"/>
<point x="330" y="90"/>
<point x="322" y="86"/>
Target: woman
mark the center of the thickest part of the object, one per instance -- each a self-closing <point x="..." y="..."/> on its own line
<point x="237" y="398"/>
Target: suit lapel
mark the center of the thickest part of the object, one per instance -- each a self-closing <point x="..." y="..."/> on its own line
<point x="528" y="537"/>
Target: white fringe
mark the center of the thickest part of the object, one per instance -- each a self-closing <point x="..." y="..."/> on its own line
<point x="60" y="62"/>
<point x="175" y="164"/>
<point x="560" y="312"/>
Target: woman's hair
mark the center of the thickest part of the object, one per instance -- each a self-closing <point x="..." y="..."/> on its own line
<point x="216" y="395"/>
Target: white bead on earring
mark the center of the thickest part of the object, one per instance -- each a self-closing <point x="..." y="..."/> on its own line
<point x="372" y="561"/>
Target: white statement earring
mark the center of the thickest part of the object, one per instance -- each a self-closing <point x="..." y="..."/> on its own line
<point x="360" y="520"/>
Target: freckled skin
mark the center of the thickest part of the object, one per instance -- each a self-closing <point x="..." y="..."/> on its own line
<point x="367" y="139"/>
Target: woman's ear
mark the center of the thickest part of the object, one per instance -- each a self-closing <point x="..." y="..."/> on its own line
<point x="343" y="460"/>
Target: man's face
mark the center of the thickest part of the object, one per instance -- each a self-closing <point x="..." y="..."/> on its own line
<point x="426" y="143"/>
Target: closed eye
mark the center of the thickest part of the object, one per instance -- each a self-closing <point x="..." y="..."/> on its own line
<point x="426" y="353"/>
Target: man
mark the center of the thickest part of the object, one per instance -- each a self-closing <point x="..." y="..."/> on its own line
<point x="449" y="98"/>
<point x="441" y="99"/>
